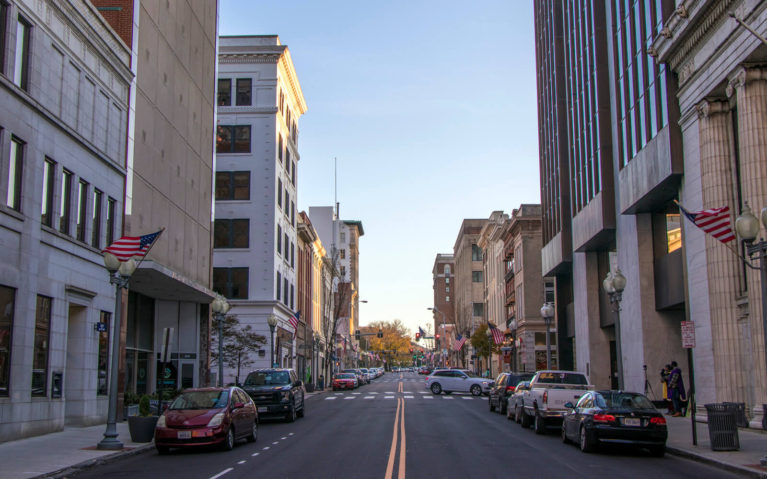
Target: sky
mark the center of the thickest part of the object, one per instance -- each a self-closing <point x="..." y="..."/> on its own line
<point x="429" y="109"/>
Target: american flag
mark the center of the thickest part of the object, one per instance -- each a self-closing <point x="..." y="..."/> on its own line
<point x="293" y="320"/>
<point x="497" y="334"/>
<point x="421" y="331"/>
<point x="459" y="342"/>
<point x="715" y="221"/>
<point x="130" y="246"/>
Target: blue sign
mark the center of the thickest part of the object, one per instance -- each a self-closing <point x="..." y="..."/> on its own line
<point x="101" y="327"/>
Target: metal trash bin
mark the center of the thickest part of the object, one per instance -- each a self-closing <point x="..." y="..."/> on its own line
<point x="740" y="417"/>
<point x="723" y="426"/>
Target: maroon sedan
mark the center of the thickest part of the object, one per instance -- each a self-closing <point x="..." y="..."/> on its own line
<point x="207" y="416"/>
<point x="344" y="381"/>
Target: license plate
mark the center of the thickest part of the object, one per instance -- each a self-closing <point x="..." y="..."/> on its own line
<point x="184" y="434"/>
<point x="632" y="421"/>
<point x="263" y="409"/>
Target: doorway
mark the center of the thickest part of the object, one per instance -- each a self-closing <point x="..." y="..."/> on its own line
<point x="75" y="378"/>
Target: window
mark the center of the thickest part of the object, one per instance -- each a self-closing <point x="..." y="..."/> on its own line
<point x="7" y="303"/>
<point x="342" y="253"/>
<point x="292" y="213"/>
<point x="343" y="237"/>
<point x="476" y="276"/>
<point x="231" y="282"/>
<point x="447" y="280"/>
<point x="3" y="34"/>
<point x="286" y="242"/>
<point x="287" y="158"/>
<point x="224" y="91"/>
<point x="291" y="296"/>
<point x="287" y="202"/>
<point x="279" y="192"/>
<point x="98" y="199"/>
<point x="292" y="255"/>
<point x="232" y="185"/>
<point x="41" y="343"/>
<point x="447" y="270"/>
<point x="15" y="170"/>
<point x="49" y="180"/>
<point x="231" y="233"/>
<point x="343" y="271"/>
<point x="447" y="289"/>
<point x="82" y="203"/>
<point x="279" y="285"/>
<point x="233" y="139"/>
<point x="285" y="291"/>
<point x="476" y="253"/>
<point x="66" y="201"/>
<point x="102" y="384"/>
<point x="447" y="299"/>
<point x="244" y="91"/>
<point x="21" y="62"/>
<point x="111" y="220"/>
<point x="279" y="239"/>
<point x="478" y="309"/>
<point x="293" y="174"/>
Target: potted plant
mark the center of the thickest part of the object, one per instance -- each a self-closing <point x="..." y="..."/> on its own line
<point x="141" y="427"/>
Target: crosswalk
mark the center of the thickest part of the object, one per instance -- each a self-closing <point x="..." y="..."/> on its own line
<point x="404" y="395"/>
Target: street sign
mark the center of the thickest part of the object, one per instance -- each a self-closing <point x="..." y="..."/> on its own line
<point x="688" y="334"/>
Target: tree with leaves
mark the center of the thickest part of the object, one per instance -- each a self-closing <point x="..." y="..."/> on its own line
<point x="483" y="345"/>
<point x="239" y="343"/>
<point x="396" y="337"/>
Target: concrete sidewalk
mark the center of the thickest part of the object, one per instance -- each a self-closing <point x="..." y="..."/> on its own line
<point x="753" y="447"/>
<point x="60" y="453"/>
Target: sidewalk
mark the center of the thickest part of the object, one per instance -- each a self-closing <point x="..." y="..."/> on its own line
<point x="753" y="447"/>
<point x="60" y="453"/>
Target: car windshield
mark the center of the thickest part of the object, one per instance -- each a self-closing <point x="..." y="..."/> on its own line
<point x="201" y="400"/>
<point x="562" y="378"/>
<point x="268" y="378"/>
<point x="622" y="400"/>
<point x="345" y="376"/>
<point x="471" y="374"/>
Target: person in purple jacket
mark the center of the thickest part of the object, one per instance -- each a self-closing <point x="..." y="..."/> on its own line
<point x="676" y="387"/>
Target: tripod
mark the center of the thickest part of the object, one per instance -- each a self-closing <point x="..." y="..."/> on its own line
<point x="647" y="385"/>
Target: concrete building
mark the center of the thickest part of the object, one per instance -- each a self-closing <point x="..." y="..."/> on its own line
<point x="443" y="284"/>
<point x="492" y="277"/>
<point x="305" y="290"/>
<point x="469" y="292"/>
<point x="254" y="265"/>
<point x="65" y="78"/>
<point x="722" y="86"/>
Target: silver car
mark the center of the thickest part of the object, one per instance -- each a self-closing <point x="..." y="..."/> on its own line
<point x="457" y="380"/>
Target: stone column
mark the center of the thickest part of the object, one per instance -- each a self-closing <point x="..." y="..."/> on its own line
<point x="750" y="87"/>
<point x="730" y="369"/>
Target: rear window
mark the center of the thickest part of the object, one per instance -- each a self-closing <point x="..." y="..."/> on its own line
<point x="268" y="378"/>
<point x="515" y="378"/>
<point x="345" y="376"/>
<point x="562" y="378"/>
<point x="201" y="400"/>
<point x="623" y="401"/>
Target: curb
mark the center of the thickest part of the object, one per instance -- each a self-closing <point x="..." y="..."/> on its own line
<point x="747" y="471"/>
<point x="74" y="469"/>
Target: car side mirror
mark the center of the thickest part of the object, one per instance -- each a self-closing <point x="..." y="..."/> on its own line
<point x="569" y="405"/>
<point x="238" y="405"/>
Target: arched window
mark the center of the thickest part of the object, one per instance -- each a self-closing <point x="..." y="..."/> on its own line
<point x="447" y="269"/>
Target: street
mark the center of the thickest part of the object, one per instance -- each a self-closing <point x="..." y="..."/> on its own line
<point x="349" y="435"/>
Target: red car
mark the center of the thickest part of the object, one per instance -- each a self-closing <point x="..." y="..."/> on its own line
<point x="344" y="381"/>
<point x="205" y="417"/>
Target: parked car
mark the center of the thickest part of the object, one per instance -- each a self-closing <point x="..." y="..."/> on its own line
<point x="457" y="380"/>
<point x="276" y="392"/>
<point x="515" y="402"/>
<point x="544" y="403"/>
<point x="207" y="416"/>
<point x="424" y="370"/>
<point x="345" y="381"/>
<point x="503" y="388"/>
<point x="603" y="417"/>
<point x="368" y="374"/>
<point x="361" y="378"/>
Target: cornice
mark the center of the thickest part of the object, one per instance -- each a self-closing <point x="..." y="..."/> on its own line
<point x="239" y="110"/>
<point x="745" y="75"/>
<point x="710" y="107"/>
<point x="248" y="58"/>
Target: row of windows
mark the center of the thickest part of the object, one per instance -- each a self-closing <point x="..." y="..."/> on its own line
<point x="233" y="284"/>
<point x="290" y="247"/>
<point x="73" y="199"/>
<point x="288" y="207"/>
<point x="233" y="139"/>
<point x="290" y="165"/>
<point x="287" y="115"/>
<point x="244" y="92"/>
<point x="286" y="290"/>
<point x="232" y="185"/>
<point x="231" y="233"/>
<point x="21" y="48"/>
<point x="40" y="380"/>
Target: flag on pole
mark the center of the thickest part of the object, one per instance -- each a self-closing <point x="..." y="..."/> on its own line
<point x="130" y="246"/>
<point x="715" y="221"/>
<point x="459" y="342"/>
<point x="293" y="320"/>
<point x="420" y="330"/>
<point x="497" y="334"/>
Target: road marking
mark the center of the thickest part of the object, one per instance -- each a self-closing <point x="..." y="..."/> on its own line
<point x="275" y="442"/>
<point x="266" y="448"/>
<point x="374" y="393"/>
<point x="428" y="397"/>
<point x="356" y="394"/>
<point x="409" y="397"/>
<point x="467" y="398"/>
<point x="423" y="392"/>
<point x="448" y="398"/>
<point x="222" y="473"/>
<point x="290" y="434"/>
<point x="284" y="437"/>
<point x="393" y="449"/>
<point x="402" y="447"/>
<point x="241" y="462"/>
<point x="339" y="394"/>
<point x="350" y="397"/>
<point x="330" y="398"/>
<point x="388" y="397"/>
<point x="370" y="397"/>
<point x="255" y="454"/>
<point x="389" y="392"/>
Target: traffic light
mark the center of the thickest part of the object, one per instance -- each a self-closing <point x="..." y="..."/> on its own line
<point x="380" y="333"/>
<point x="357" y="335"/>
<point x="417" y="337"/>
<point x="437" y="336"/>
<point x="411" y="350"/>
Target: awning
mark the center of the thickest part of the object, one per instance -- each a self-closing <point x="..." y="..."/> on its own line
<point x="160" y="282"/>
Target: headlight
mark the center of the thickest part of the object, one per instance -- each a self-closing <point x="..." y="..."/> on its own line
<point x="285" y="395"/>
<point x="216" y="420"/>
<point x="161" y="421"/>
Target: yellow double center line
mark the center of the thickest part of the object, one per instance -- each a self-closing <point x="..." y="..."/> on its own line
<point x="399" y="420"/>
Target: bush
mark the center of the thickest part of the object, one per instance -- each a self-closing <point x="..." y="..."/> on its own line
<point x="143" y="406"/>
<point x="130" y="399"/>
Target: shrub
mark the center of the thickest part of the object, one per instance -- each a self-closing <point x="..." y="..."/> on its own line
<point x="143" y="406"/>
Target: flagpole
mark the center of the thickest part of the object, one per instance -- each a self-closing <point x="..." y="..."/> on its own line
<point x="159" y="233"/>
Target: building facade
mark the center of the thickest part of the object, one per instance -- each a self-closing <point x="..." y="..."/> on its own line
<point x="443" y="284"/>
<point x="469" y="294"/>
<point x="492" y="277"/>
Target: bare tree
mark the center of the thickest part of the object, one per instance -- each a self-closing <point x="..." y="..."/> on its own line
<point x="239" y="343"/>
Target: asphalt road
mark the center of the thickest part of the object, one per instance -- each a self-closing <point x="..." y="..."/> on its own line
<point x="349" y="435"/>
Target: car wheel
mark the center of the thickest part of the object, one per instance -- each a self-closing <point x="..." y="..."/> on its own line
<point x="525" y="419"/>
<point x="228" y="443"/>
<point x="436" y="388"/>
<point x="162" y="450"/>
<point x="254" y="432"/>
<point x="564" y="435"/>
<point x="475" y="390"/>
<point x="492" y="408"/>
<point x="540" y="424"/>
<point x="585" y="442"/>
<point x="303" y="408"/>
<point x="291" y="415"/>
<point x="658" y="451"/>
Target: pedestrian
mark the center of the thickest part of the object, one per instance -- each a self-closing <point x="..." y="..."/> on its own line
<point x="665" y="373"/>
<point x="322" y="382"/>
<point x="676" y="385"/>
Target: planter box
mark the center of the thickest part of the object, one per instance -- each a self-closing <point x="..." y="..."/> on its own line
<point x="128" y="411"/>
<point x="142" y="428"/>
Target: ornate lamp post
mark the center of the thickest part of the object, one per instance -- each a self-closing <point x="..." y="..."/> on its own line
<point x="614" y="284"/>
<point x="489" y="335"/>
<point x="119" y="275"/>
<point x="220" y="307"/>
<point x="271" y="320"/>
<point x="547" y="312"/>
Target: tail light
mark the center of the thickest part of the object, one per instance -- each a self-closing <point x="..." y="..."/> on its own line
<point x="604" y="418"/>
<point x="510" y="389"/>
<point x="658" y="421"/>
<point x="427" y="378"/>
<point x="545" y="397"/>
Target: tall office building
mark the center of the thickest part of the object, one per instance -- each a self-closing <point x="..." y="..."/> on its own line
<point x="469" y="293"/>
<point x="443" y="284"/>
<point x="255" y="262"/>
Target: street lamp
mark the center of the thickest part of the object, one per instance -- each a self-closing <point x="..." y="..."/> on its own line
<point x="614" y="284"/>
<point x="747" y="227"/>
<point x="119" y="275"/>
<point x="220" y="307"/>
<point x="547" y="312"/>
<point x="489" y="350"/>
<point x="271" y="320"/>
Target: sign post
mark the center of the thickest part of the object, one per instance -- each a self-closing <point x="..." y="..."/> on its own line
<point x="688" y="342"/>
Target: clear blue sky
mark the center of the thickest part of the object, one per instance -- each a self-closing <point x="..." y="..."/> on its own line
<point x="430" y="108"/>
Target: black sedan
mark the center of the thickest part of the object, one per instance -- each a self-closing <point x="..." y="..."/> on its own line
<point x="615" y="417"/>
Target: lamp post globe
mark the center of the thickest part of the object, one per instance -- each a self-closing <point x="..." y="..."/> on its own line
<point x="111" y="262"/>
<point x="619" y="281"/>
<point x="607" y="283"/>
<point x="271" y="320"/>
<point x="547" y="312"/>
<point x="127" y="268"/>
<point x="746" y="225"/>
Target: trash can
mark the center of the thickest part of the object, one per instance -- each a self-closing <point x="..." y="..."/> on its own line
<point x="764" y="417"/>
<point x="740" y="418"/>
<point x="723" y="426"/>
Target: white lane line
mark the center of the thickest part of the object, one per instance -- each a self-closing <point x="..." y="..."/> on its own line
<point x="284" y="437"/>
<point x="370" y="397"/>
<point x="290" y="434"/>
<point x="255" y="454"/>
<point x="388" y="397"/>
<point x="408" y="397"/>
<point x="275" y="442"/>
<point x="356" y="394"/>
<point x="428" y="397"/>
<point x="446" y="398"/>
<point x="330" y="398"/>
<point x="468" y="398"/>
<point x="389" y="392"/>
<point x="241" y="462"/>
<point x="374" y="393"/>
<point x="350" y="397"/>
<point x="339" y="394"/>
<point x="266" y="448"/>
<point x="222" y="473"/>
